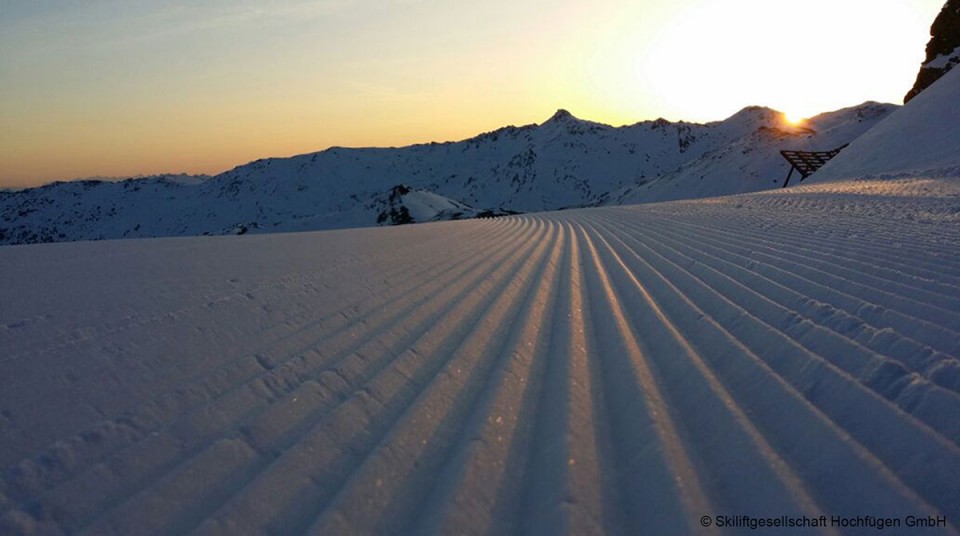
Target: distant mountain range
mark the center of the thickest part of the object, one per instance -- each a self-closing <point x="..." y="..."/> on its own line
<point x="563" y="162"/>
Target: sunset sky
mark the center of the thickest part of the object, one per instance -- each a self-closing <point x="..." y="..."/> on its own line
<point x="128" y="87"/>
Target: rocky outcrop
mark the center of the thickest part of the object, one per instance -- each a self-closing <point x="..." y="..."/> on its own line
<point x="943" y="50"/>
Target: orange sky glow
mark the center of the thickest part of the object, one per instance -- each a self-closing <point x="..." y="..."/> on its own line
<point x="118" y="89"/>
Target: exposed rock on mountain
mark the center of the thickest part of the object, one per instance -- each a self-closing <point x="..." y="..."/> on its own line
<point x="943" y="50"/>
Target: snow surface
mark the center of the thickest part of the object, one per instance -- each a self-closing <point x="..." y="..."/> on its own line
<point x="405" y="205"/>
<point x="920" y="139"/>
<point x="943" y="60"/>
<point x="424" y="206"/>
<point x="623" y="369"/>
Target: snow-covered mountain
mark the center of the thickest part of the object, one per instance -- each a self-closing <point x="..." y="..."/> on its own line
<point x="406" y="205"/>
<point x="751" y="161"/>
<point x="920" y="139"/>
<point x="563" y="162"/>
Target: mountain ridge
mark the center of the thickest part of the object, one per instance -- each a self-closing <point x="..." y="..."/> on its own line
<point x="561" y="163"/>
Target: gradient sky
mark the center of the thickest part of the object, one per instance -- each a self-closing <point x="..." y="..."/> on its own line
<point x="128" y="87"/>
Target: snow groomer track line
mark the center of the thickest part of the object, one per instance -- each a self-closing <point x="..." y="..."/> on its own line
<point x="618" y="370"/>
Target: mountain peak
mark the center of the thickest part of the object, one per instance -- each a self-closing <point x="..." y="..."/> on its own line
<point x="561" y="115"/>
<point x="753" y="116"/>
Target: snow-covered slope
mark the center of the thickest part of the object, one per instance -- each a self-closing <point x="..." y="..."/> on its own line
<point x="610" y="370"/>
<point x="752" y="162"/>
<point x="920" y="139"/>
<point x="564" y="162"/>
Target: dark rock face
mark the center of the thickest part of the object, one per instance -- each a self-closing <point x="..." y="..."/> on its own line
<point x="395" y="216"/>
<point x="943" y="50"/>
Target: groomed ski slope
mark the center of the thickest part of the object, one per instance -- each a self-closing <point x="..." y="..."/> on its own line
<point x="617" y="370"/>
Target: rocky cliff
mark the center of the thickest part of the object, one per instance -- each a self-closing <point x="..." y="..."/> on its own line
<point x="943" y="50"/>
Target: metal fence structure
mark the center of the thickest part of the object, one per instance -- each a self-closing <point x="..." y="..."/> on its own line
<point x="806" y="162"/>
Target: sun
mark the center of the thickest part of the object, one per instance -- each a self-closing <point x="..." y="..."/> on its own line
<point x="793" y="118"/>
